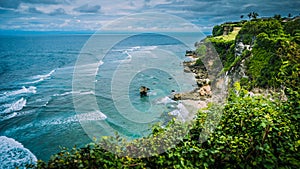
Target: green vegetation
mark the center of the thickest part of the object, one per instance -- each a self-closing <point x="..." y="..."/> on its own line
<point x="268" y="38"/>
<point x="253" y="15"/>
<point x="217" y="30"/>
<point x="292" y="27"/>
<point x="201" y="50"/>
<point x="251" y="29"/>
<point x="253" y="131"/>
<point x="231" y="36"/>
<point x="225" y="48"/>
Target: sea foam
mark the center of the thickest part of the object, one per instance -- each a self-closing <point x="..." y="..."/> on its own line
<point x="15" y="106"/>
<point x="91" y="116"/>
<point x="44" y="76"/>
<point x="165" y="100"/>
<point x="30" y="89"/>
<point x="40" y="78"/>
<point x="14" y="155"/>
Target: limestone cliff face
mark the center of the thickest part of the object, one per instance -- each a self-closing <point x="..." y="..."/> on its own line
<point x="240" y="47"/>
<point x="238" y="71"/>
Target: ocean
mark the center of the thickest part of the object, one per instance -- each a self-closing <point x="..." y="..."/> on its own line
<point x="41" y="94"/>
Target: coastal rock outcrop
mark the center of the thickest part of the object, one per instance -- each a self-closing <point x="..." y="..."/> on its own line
<point x="177" y="96"/>
<point x="203" y="82"/>
<point x="143" y="91"/>
<point x="190" y="53"/>
<point x="205" y="91"/>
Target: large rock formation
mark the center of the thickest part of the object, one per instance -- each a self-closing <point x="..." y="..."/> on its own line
<point x="202" y="90"/>
<point x="143" y="91"/>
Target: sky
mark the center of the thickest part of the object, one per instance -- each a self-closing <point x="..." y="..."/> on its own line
<point x="91" y="15"/>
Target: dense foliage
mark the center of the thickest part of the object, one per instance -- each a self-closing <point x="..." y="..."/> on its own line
<point x="254" y="131"/>
<point x="225" y="49"/>
<point x="217" y="30"/>
<point x="251" y="29"/>
<point x="268" y="38"/>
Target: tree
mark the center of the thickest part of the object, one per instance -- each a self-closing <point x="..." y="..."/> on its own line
<point x="254" y="15"/>
<point x="249" y="15"/>
<point x="277" y="16"/>
<point x="217" y="30"/>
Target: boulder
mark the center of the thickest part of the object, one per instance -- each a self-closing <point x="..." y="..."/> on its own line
<point x="177" y="96"/>
<point x="205" y="91"/>
<point x="201" y="74"/>
<point x="190" y="53"/>
<point x="143" y="91"/>
<point x="203" y="82"/>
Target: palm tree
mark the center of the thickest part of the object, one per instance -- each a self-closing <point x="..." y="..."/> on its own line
<point x="249" y="15"/>
<point x="254" y="15"/>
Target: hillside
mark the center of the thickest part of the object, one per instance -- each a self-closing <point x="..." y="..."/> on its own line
<point x="261" y="46"/>
<point x="259" y="126"/>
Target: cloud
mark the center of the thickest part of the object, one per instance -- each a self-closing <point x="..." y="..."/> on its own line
<point x="58" y="11"/>
<point x="53" y="14"/>
<point x="14" y="4"/>
<point x="34" y="10"/>
<point x="88" y="9"/>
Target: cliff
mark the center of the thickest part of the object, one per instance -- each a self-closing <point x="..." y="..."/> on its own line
<point x="253" y="52"/>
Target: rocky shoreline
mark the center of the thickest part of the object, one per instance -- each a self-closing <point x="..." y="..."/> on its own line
<point x="200" y="95"/>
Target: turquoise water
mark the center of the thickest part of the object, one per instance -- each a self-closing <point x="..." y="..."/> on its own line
<point x="36" y="94"/>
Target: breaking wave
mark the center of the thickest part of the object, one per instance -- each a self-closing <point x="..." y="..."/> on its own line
<point x="30" y="89"/>
<point x="13" y="107"/>
<point x="14" y="155"/>
<point x="40" y="78"/>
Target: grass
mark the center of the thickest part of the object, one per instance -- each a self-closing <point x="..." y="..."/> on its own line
<point x="231" y="36"/>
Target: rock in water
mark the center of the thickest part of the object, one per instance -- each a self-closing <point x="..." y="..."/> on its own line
<point x="177" y="96"/>
<point x="143" y="91"/>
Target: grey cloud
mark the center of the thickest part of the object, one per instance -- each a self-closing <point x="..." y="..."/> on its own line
<point x="204" y="13"/>
<point x="14" y="4"/>
<point x="88" y="9"/>
<point x="46" y="1"/>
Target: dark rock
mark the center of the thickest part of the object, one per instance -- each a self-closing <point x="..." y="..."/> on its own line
<point x="190" y="53"/>
<point x="143" y="91"/>
<point x="177" y="96"/>
<point x="203" y="82"/>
